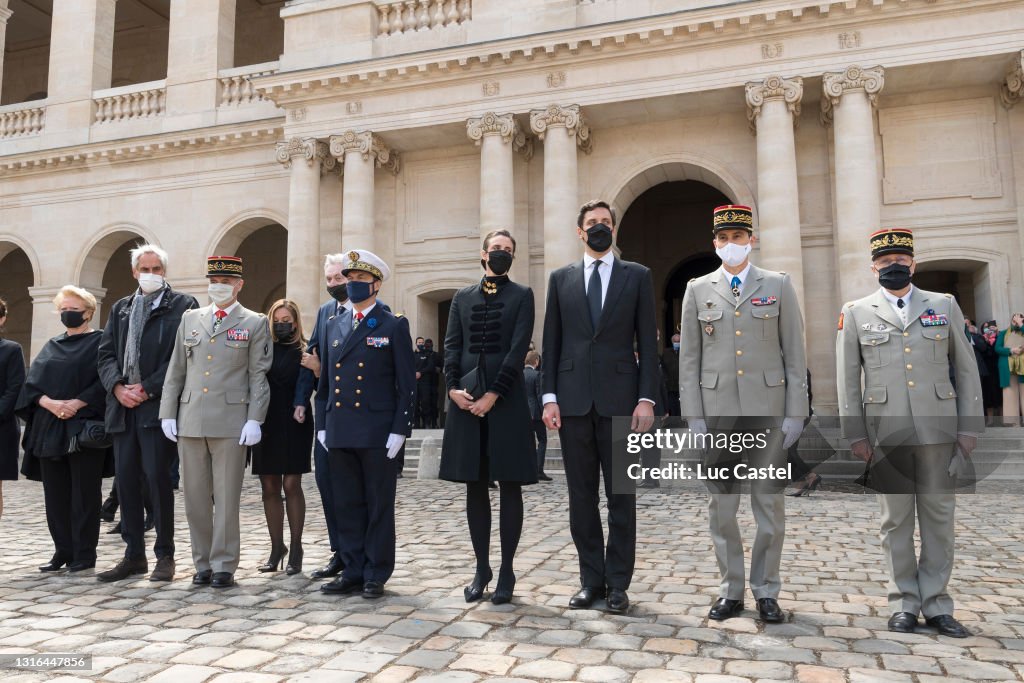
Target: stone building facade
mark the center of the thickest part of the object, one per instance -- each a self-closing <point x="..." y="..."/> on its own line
<point x="281" y="131"/>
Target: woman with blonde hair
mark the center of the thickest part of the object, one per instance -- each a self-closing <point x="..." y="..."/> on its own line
<point x="283" y="455"/>
<point x="62" y="402"/>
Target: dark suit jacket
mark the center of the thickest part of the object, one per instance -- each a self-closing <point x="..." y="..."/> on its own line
<point x="159" y="336"/>
<point x="532" y="376"/>
<point x="367" y="384"/>
<point x="12" y="377"/>
<point x="588" y="368"/>
<point x="319" y="332"/>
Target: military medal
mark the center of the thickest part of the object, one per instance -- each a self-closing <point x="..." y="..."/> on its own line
<point x="709" y="329"/>
<point x="335" y="344"/>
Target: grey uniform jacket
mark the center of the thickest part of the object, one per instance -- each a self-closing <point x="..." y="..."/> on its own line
<point x="746" y="358"/>
<point x="215" y="382"/>
<point x="907" y="396"/>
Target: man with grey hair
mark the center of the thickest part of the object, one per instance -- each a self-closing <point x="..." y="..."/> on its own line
<point x="133" y="356"/>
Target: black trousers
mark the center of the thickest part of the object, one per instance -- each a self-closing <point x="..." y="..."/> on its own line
<point x="540" y="432"/>
<point x="322" y="474"/>
<point x="73" y="494"/>
<point x="143" y="458"/>
<point x="587" y="454"/>
<point x="363" y="485"/>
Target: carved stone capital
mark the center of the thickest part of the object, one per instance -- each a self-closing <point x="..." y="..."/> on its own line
<point x="788" y="90"/>
<point x="835" y="84"/>
<point x="5" y="13"/>
<point x="569" y="117"/>
<point x="490" y="123"/>
<point x="368" y="145"/>
<point x="312" y="150"/>
<point x="1013" y="85"/>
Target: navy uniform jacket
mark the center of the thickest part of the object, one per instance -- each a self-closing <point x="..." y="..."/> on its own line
<point x="367" y="382"/>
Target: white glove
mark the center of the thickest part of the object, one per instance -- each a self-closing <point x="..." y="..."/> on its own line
<point x="791" y="427"/>
<point x="697" y="425"/>
<point x="251" y="433"/>
<point x="170" y="427"/>
<point x="394" y="444"/>
<point x="321" y="436"/>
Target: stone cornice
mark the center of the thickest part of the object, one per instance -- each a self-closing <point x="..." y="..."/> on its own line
<point x="789" y="90"/>
<point x="368" y="145"/>
<point x="568" y="117"/>
<point x="854" y="78"/>
<point x="181" y="143"/>
<point x="312" y="150"/>
<point x="1013" y="85"/>
<point x="720" y="22"/>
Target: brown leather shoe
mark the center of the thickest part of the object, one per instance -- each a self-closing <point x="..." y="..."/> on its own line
<point x="164" y="570"/>
<point x="123" y="569"/>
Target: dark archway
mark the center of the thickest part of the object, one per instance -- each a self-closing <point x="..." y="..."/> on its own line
<point x="16" y="276"/>
<point x="264" y="255"/>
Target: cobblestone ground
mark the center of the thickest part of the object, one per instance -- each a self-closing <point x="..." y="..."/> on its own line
<point x="276" y="628"/>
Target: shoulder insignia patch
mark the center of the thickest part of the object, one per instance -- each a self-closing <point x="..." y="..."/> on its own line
<point x="841" y="316"/>
<point x="782" y="272"/>
<point x="948" y="296"/>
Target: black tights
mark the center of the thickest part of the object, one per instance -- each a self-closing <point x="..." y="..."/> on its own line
<point x="273" y="508"/>
<point x="510" y="524"/>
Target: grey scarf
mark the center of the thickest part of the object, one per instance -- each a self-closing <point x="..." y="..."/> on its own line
<point x="142" y="306"/>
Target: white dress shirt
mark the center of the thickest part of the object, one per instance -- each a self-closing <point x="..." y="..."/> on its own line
<point x="892" y="299"/>
<point x="742" y="275"/>
<point x="226" y="310"/>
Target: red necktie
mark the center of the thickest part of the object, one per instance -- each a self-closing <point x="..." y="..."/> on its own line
<point x="219" y="314"/>
<point x="359" y="319"/>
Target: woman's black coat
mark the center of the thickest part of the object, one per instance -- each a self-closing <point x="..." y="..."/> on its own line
<point x="500" y="326"/>
<point x="12" y="376"/>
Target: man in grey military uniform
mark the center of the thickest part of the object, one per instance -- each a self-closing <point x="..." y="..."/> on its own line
<point x="215" y="397"/>
<point x="910" y="423"/>
<point x="743" y="356"/>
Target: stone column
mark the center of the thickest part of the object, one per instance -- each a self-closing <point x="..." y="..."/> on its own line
<point x="45" y="319"/>
<point x="5" y="14"/>
<point x="306" y="158"/>
<point x="498" y="136"/>
<point x="81" y="58"/>
<point x="563" y="130"/>
<point x="201" y="42"/>
<point x="361" y="154"/>
<point x="773" y="107"/>
<point x="848" y="103"/>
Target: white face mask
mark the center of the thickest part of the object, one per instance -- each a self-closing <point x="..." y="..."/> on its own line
<point x="733" y="254"/>
<point x="150" y="282"/>
<point x="220" y="293"/>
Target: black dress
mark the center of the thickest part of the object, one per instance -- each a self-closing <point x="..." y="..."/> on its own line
<point x="12" y="376"/>
<point x="286" y="446"/>
<point x="491" y="330"/>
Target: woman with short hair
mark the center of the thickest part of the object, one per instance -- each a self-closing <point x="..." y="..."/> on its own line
<point x="61" y="394"/>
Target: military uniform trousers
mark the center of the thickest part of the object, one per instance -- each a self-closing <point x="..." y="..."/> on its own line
<point x="768" y="506"/>
<point x="363" y="487"/>
<point x="211" y="473"/>
<point x="917" y="585"/>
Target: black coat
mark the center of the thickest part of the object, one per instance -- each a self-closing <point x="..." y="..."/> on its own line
<point x="496" y="329"/>
<point x="532" y="377"/>
<point x="286" y="445"/>
<point x="12" y="377"/>
<point x="587" y="368"/>
<point x="158" y="338"/>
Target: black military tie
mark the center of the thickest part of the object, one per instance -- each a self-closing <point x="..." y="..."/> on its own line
<point x="594" y="294"/>
<point x="899" y="303"/>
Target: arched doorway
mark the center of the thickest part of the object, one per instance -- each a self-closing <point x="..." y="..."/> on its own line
<point x="16" y="276"/>
<point x="668" y="229"/>
<point x="106" y="270"/>
<point x="264" y="256"/>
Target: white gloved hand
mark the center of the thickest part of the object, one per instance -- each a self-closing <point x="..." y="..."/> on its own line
<point x="792" y="427"/>
<point x="321" y="436"/>
<point x="697" y="425"/>
<point x="394" y="444"/>
<point x="170" y="427"/>
<point x="251" y="433"/>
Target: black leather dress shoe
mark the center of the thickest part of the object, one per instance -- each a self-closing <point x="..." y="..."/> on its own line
<point x="585" y="598"/>
<point x="770" y="611"/>
<point x="948" y="626"/>
<point x="332" y="568"/>
<point x="903" y="622"/>
<point x="342" y="586"/>
<point x="54" y="565"/>
<point x="80" y="566"/>
<point x="373" y="589"/>
<point x="222" y="580"/>
<point x="724" y="608"/>
<point x="203" y="578"/>
<point x="618" y="601"/>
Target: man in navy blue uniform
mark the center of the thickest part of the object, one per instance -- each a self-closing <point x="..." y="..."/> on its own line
<point x="365" y="410"/>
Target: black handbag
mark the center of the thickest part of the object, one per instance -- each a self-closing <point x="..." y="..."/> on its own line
<point x="473" y="384"/>
<point x="92" y="435"/>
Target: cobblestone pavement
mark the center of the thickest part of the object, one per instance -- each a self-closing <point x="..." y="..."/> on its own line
<point x="275" y="628"/>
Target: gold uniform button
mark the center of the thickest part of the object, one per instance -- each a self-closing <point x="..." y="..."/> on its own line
<point x="360" y="364"/>
<point x="739" y="333"/>
<point x="359" y="391"/>
<point x="909" y="366"/>
<point x="737" y="314"/>
<point x="949" y="394"/>
<point x="337" y="391"/>
<point x="337" y="365"/>
<point x="906" y="349"/>
<point x="209" y="358"/>
<point x="739" y="353"/>
<point x="739" y="372"/>
<point x="207" y="373"/>
<point x="906" y="334"/>
<point x="213" y="341"/>
<point x="870" y="399"/>
<point x="910" y="383"/>
<point x="337" y="378"/>
<point x="337" y="404"/>
<point x="357" y="404"/>
<point x="359" y="377"/>
<point x="205" y="390"/>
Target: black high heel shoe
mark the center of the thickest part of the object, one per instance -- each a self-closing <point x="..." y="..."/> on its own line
<point x="503" y="591"/>
<point x="294" y="561"/>
<point x="276" y="560"/>
<point x="807" y="488"/>
<point x="474" y="591"/>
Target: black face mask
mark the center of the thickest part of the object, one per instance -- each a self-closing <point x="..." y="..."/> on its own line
<point x="500" y="261"/>
<point x="72" y="319"/>
<point x="284" y="331"/>
<point x="599" y="238"/>
<point x="894" y="276"/>
<point x="339" y="292"/>
<point x="420" y="347"/>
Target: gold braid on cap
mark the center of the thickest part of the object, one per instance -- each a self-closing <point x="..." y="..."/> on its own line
<point x="355" y="264"/>
<point x="734" y="217"/>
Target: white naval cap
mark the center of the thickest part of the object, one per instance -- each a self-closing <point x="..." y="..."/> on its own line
<point x="367" y="261"/>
